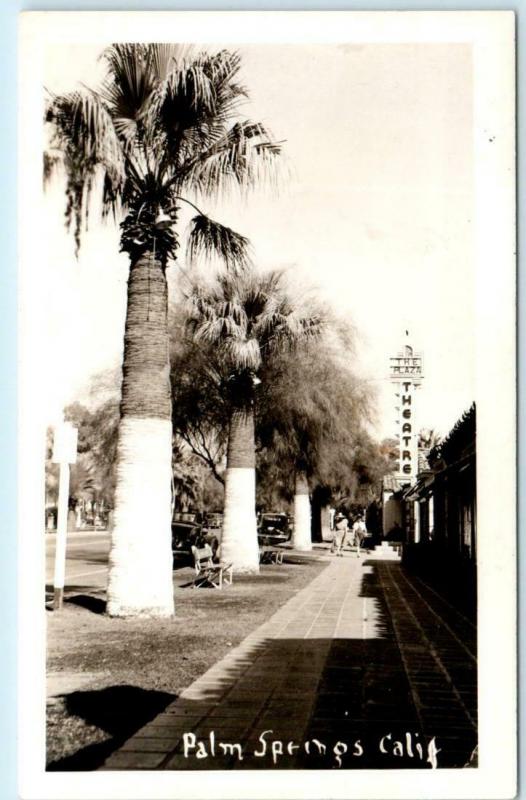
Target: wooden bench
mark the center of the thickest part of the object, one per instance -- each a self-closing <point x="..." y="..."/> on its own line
<point x="207" y="572"/>
<point x="268" y="555"/>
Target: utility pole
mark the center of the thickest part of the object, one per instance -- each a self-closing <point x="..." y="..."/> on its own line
<point x="64" y="454"/>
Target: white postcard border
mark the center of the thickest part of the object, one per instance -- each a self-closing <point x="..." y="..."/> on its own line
<point x="492" y="37"/>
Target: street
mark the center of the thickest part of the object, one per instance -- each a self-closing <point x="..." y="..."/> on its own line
<point x="86" y="560"/>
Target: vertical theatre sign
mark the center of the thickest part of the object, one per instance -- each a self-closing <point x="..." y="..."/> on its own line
<point x="406" y="373"/>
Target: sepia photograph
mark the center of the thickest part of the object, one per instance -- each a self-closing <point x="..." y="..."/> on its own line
<point x="268" y="321"/>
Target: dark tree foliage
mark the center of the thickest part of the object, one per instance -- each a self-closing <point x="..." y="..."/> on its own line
<point x="200" y="412"/>
<point x="311" y="413"/>
<point x="314" y="418"/>
<point x="94" y="472"/>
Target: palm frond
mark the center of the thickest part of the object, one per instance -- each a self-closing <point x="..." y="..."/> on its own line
<point x="83" y="131"/>
<point x="312" y="326"/>
<point x="50" y="163"/>
<point x="223" y="68"/>
<point x="266" y="325"/>
<point x="251" y="321"/>
<point x="162" y="57"/>
<point x="244" y="156"/>
<point x="130" y="80"/>
<point x="202" y="299"/>
<point x="217" y="329"/>
<point x="212" y="240"/>
<point x="243" y="354"/>
<point x="175" y="101"/>
<point x="161" y="123"/>
<point x="192" y="105"/>
<point x="232" y="308"/>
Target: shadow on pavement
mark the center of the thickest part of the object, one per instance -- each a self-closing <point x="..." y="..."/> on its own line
<point x="95" y="604"/>
<point x="119" y="711"/>
<point x="94" y="560"/>
<point x="88" y="597"/>
<point x="300" y="559"/>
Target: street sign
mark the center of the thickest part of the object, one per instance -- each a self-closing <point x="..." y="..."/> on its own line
<point x="65" y="444"/>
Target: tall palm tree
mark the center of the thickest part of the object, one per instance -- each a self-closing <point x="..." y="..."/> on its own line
<point x="248" y="317"/>
<point x="164" y="122"/>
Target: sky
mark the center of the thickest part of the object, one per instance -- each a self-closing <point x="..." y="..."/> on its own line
<point x="375" y="214"/>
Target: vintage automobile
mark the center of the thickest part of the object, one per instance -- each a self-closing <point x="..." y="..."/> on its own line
<point x="189" y="532"/>
<point x="186" y="516"/>
<point x="214" y="520"/>
<point x="274" y="528"/>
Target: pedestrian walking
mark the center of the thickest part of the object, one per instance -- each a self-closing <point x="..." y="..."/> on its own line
<point x="359" y="532"/>
<point x="341" y="528"/>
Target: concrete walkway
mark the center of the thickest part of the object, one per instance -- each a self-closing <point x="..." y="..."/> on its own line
<point x="363" y="668"/>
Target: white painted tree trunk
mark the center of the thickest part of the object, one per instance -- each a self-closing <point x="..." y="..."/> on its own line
<point x="141" y="561"/>
<point x="239" y="543"/>
<point x="326" y="533"/>
<point x="301" y="535"/>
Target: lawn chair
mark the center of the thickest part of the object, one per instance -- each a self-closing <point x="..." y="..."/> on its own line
<point x="268" y="555"/>
<point x="208" y="573"/>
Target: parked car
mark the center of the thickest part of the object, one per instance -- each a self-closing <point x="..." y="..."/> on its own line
<point x="186" y="534"/>
<point x="274" y="528"/>
<point x="214" y="520"/>
<point x="186" y="516"/>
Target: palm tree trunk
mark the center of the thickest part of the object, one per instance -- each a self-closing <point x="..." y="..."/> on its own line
<point x="140" y="563"/>
<point x="301" y="537"/>
<point x="239" y="543"/>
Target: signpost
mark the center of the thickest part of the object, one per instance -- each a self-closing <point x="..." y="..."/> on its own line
<point x="64" y="454"/>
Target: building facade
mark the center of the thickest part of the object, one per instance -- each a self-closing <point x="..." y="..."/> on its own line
<point x="446" y="493"/>
<point x="441" y="547"/>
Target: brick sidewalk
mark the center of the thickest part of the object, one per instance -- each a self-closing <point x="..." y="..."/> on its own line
<point x="356" y="656"/>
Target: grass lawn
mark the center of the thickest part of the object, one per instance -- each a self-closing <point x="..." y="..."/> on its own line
<point x="108" y="677"/>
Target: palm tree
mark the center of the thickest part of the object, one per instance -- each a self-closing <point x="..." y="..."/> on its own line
<point x="164" y="123"/>
<point x="247" y="318"/>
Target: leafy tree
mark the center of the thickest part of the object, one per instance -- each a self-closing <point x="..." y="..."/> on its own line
<point x="388" y="448"/>
<point x="188" y="478"/>
<point x="311" y="420"/>
<point x="428" y="440"/>
<point x="97" y="450"/>
<point x="274" y="488"/>
<point x="213" y="494"/>
<point x="51" y="473"/>
<point x="200" y="413"/>
<point x="311" y="414"/>
<point x="163" y="128"/>
<point x="92" y="477"/>
<point x="247" y="319"/>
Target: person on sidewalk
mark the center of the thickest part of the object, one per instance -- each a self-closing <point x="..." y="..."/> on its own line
<point x="359" y="531"/>
<point x="341" y="528"/>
